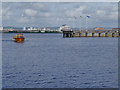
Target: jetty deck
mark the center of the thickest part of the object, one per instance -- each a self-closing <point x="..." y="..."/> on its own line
<point x="91" y="33"/>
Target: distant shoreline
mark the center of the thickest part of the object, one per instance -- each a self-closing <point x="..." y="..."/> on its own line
<point x="30" y="32"/>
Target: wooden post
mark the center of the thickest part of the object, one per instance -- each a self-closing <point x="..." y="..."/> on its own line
<point x="106" y="34"/>
<point x="119" y="34"/>
<point x="92" y="34"/>
<point x="64" y="34"/>
<point x="86" y="34"/>
<point x="68" y="34"/>
<point x="113" y="34"/>
<point x="73" y="34"/>
<point x="99" y="34"/>
<point x="79" y="34"/>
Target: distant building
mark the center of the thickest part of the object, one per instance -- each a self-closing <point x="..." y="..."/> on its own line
<point x="48" y="29"/>
<point x="44" y="29"/>
<point x="31" y="28"/>
<point x="99" y="28"/>
<point x="24" y="28"/>
<point x="1" y="28"/>
<point x="39" y="28"/>
<point x="34" y="28"/>
<point x="65" y="28"/>
<point x="115" y="28"/>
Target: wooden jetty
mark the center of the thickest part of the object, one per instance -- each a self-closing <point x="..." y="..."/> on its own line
<point x="92" y="33"/>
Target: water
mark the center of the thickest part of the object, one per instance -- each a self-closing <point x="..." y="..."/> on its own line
<point x="51" y="61"/>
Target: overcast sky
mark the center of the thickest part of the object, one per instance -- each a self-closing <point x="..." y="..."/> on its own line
<point x="51" y="14"/>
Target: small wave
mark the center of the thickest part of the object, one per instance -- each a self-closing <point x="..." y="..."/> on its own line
<point x="74" y="76"/>
<point x="111" y="72"/>
<point x="7" y="40"/>
<point x="82" y="73"/>
<point x="86" y="83"/>
<point x="53" y="78"/>
<point x="49" y="82"/>
<point x="36" y="82"/>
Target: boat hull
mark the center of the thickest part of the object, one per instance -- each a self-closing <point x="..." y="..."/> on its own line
<point x="19" y="39"/>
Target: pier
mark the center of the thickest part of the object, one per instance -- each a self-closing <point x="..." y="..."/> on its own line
<point x="91" y="33"/>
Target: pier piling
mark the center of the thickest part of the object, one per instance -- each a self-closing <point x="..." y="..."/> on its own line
<point x="113" y="34"/>
<point x="99" y="34"/>
<point x="106" y="33"/>
<point x="79" y="34"/>
<point x="86" y="33"/>
<point x="67" y="33"/>
<point x="91" y="33"/>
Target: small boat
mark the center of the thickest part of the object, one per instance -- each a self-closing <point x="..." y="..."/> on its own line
<point x="19" y="38"/>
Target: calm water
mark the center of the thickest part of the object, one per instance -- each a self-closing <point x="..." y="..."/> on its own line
<point x="50" y="61"/>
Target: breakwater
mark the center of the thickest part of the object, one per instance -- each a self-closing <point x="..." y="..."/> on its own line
<point x="91" y="33"/>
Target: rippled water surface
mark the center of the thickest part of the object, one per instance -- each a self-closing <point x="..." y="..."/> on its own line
<point x="51" y="61"/>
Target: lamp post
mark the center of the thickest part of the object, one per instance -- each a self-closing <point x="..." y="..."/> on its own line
<point x="87" y="22"/>
<point x="80" y="23"/>
<point x="74" y="21"/>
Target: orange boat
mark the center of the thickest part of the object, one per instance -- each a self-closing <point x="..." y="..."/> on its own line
<point x="19" y="38"/>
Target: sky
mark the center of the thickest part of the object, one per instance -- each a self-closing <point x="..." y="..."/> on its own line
<point x="55" y="14"/>
<point x="0" y="14"/>
<point x="60" y="0"/>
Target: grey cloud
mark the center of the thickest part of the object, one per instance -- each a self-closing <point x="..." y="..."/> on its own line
<point x="54" y="14"/>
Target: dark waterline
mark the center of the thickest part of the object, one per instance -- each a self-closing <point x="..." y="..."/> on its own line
<point x="51" y="61"/>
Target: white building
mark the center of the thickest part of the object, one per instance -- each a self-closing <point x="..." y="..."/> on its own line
<point x="34" y="28"/>
<point x="1" y="28"/>
<point x="64" y="27"/>
<point x="31" y="28"/>
<point x="24" y="28"/>
<point x="44" y="29"/>
<point x="39" y="28"/>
